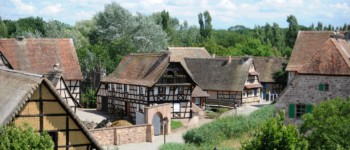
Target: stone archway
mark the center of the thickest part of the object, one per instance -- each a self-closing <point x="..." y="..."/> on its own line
<point x="161" y="111"/>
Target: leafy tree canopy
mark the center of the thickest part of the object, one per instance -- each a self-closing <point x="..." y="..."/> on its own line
<point x="328" y="126"/>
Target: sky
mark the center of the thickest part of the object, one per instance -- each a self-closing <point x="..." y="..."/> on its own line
<point x="224" y="13"/>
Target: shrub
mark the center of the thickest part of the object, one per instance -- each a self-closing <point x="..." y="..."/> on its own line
<point x="23" y="138"/>
<point x="176" y="124"/>
<point x="177" y="146"/>
<point x="89" y="98"/>
<point x="228" y="127"/>
<point x="275" y="135"/>
<point x="328" y="126"/>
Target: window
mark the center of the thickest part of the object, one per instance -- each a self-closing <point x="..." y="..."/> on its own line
<point x="255" y="92"/>
<point x="54" y="137"/>
<point x="160" y="90"/>
<point x="176" y="107"/>
<point x="323" y="87"/>
<point x="244" y="93"/>
<point x="298" y="110"/>
<point x="197" y="101"/>
<point x="181" y="90"/>
<point x="326" y="87"/>
<point x="126" y="88"/>
<point x="141" y="91"/>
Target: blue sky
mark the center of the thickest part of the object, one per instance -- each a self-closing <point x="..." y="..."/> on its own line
<point x="225" y="13"/>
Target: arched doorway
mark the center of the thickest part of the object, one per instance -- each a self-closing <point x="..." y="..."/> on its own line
<point x="157" y="123"/>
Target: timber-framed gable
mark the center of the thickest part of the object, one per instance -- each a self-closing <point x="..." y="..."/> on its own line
<point x="143" y="80"/>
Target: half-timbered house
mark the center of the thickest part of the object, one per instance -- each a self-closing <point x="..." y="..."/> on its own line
<point x="27" y="98"/>
<point x="228" y="82"/>
<point x="142" y="80"/>
<point x="267" y="67"/>
<point x="326" y="75"/>
<point x="41" y="55"/>
<point x="178" y="54"/>
<point x="55" y="76"/>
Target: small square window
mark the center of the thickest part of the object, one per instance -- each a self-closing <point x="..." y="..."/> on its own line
<point x="326" y="87"/>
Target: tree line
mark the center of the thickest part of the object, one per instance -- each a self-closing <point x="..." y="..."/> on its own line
<point x="104" y="40"/>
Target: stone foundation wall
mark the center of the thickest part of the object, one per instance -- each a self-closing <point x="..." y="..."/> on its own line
<point x="123" y="135"/>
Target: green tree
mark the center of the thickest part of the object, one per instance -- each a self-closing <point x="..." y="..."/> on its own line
<point x="319" y="26"/>
<point x="276" y="135"/>
<point x="205" y="26"/>
<point x="292" y="31"/>
<point x="3" y="29"/>
<point x="31" y="25"/>
<point x="329" y="125"/>
<point x="23" y="138"/>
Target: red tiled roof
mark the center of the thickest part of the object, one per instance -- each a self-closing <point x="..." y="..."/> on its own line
<point x="306" y="45"/>
<point x="40" y="55"/>
<point x="332" y="59"/>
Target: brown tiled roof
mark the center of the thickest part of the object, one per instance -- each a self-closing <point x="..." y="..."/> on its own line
<point x="40" y="55"/>
<point x="306" y="45"/>
<point x="139" y="69"/>
<point x="16" y="89"/>
<point x="198" y="92"/>
<point x="331" y="59"/>
<point x="267" y="66"/>
<point x="218" y="73"/>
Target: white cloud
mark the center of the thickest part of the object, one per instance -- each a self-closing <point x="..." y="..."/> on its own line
<point x="23" y="7"/>
<point x="52" y="9"/>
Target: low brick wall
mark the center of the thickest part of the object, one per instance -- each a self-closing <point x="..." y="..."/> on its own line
<point x="124" y="135"/>
<point x="104" y="136"/>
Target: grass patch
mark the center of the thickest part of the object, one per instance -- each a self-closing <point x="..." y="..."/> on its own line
<point x="176" y="124"/>
<point x="177" y="146"/>
<point x="229" y="127"/>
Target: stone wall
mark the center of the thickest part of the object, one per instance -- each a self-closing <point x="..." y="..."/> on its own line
<point x="104" y="136"/>
<point x="123" y="135"/>
<point x="304" y="89"/>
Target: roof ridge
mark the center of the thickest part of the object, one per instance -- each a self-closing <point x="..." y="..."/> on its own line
<point x="22" y="72"/>
<point x="147" y="54"/>
<point x="341" y="50"/>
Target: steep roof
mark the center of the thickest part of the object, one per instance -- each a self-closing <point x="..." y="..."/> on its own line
<point x="178" y="54"/>
<point x="331" y="59"/>
<point x="16" y="89"/>
<point x="267" y="66"/>
<point x="219" y="73"/>
<point x="40" y="55"/>
<point x="139" y="69"/>
<point x="306" y="45"/>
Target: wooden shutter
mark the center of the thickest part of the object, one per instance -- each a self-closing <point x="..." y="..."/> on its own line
<point x="308" y="108"/>
<point x="321" y="87"/>
<point x="291" y="110"/>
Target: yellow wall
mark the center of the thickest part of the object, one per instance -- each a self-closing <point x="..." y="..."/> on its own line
<point x="51" y="123"/>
